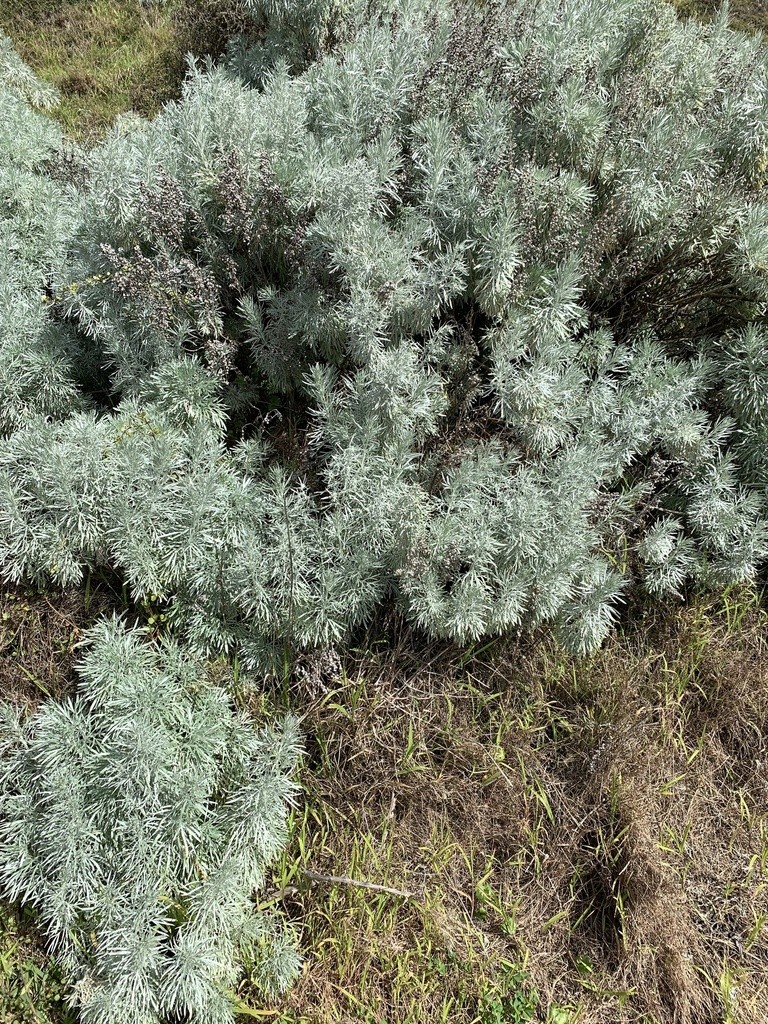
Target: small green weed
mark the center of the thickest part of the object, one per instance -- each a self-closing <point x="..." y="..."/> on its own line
<point x="31" y="989"/>
<point x="510" y="1000"/>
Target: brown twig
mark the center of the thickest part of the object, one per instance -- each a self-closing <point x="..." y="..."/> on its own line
<point x="61" y="615"/>
<point x="314" y="876"/>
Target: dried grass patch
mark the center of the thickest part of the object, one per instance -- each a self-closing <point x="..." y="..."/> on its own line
<point x="599" y="824"/>
<point x="39" y="633"/>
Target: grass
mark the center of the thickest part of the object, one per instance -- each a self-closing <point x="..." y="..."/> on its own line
<point x="38" y="637"/>
<point x="748" y="15"/>
<point x="105" y="57"/>
<point x="584" y="840"/>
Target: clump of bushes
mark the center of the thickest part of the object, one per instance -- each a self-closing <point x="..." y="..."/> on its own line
<point x="139" y="817"/>
<point x="450" y="307"/>
<point x="470" y="302"/>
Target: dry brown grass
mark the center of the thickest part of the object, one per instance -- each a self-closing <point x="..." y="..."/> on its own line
<point x="600" y="822"/>
<point x="39" y="633"/>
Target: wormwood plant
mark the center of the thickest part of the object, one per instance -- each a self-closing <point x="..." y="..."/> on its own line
<point x="36" y="219"/>
<point x="139" y="817"/>
<point x="450" y="305"/>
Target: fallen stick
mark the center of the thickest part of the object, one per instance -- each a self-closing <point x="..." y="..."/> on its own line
<point x="314" y="876"/>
